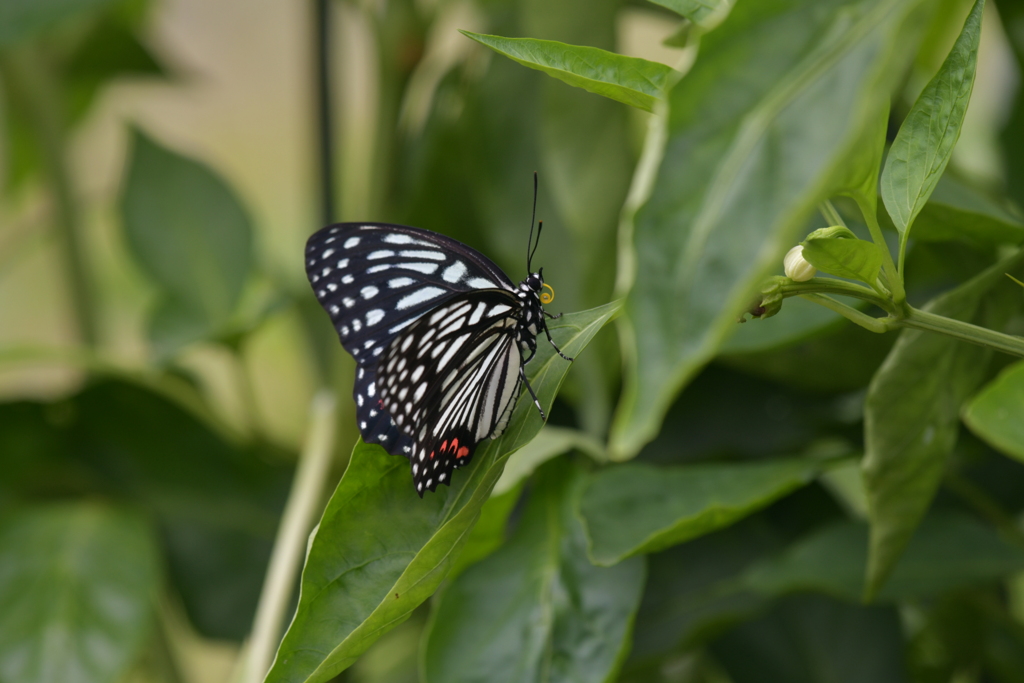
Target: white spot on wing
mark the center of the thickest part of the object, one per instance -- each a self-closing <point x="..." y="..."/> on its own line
<point x="418" y="297"/>
<point x="401" y="325"/>
<point x="421" y="253"/>
<point x="481" y="283"/>
<point x="498" y="310"/>
<point x="425" y="268"/>
<point x="477" y="314"/>
<point x="454" y="272"/>
<point x="369" y="292"/>
<point x="327" y="253"/>
<point x="397" y="238"/>
<point x="375" y="316"/>
<point x="400" y="282"/>
<point x="383" y="253"/>
<point x="351" y="242"/>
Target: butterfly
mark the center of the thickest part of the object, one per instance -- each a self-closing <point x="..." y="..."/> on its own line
<point x="440" y="335"/>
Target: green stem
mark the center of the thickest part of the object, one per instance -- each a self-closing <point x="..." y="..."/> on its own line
<point x="923" y="320"/>
<point x="872" y="324"/>
<point x="824" y="285"/>
<point x="893" y="276"/>
<point x="304" y="501"/>
<point x="27" y="71"/>
<point x="832" y="217"/>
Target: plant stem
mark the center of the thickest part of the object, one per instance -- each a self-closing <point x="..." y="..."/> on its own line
<point x="828" y="210"/>
<point x="299" y="513"/>
<point x="28" y="71"/>
<point x="870" y="323"/>
<point x="823" y="285"/>
<point x="893" y="275"/>
<point x="923" y="320"/>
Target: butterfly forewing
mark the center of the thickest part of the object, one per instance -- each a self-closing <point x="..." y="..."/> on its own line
<point x="450" y="379"/>
<point x="374" y="279"/>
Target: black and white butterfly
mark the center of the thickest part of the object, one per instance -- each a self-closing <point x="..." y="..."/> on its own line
<point x="439" y="333"/>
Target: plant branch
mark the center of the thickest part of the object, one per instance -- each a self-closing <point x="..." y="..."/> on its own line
<point x="27" y="70"/>
<point x="303" y="503"/>
<point x="893" y="275"/>
<point x="823" y="285"/>
<point x="923" y="320"/>
<point x="870" y="323"/>
<point x="832" y="217"/>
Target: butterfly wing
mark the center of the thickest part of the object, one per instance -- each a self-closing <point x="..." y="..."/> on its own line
<point x="377" y="279"/>
<point x="451" y="380"/>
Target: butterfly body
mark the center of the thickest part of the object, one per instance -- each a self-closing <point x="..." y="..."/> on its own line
<point x="439" y="333"/>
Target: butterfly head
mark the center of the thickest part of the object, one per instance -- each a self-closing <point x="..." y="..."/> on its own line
<point x="540" y="289"/>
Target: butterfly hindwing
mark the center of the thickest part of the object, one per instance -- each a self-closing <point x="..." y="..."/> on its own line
<point x="450" y="380"/>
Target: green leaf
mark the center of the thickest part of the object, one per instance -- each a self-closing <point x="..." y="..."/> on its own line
<point x="924" y="144"/>
<point x="706" y="14"/>
<point x="948" y="551"/>
<point x="551" y="442"/>
<point x="755" y="132"/>
<point x="630" y="80"/>
<point x="911" y="420"/>
<point x="637" y="508"/>
<point x="380" y="551"/>
<point x="996" y="414"/>
<point x="858" y="177"/>
<point x="187" y="229"/>
<point x="536" y="610"/>
<point x="22" y="20"/>
<point x="851" y="259"/>
<point x="78" y="583"/>
<point x="958" y="212"/>
<point x="816" y="639"/>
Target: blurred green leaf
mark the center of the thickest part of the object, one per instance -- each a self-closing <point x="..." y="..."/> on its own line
<point x="947" y="551"/>
<point x="22" y="20"/>
<point x="924" y="144"/>
<point x="858" y="177"/>
<point x="996" y="414"/>
<point x="799" y="320"/>
<point x="704" y="13"/>
<point x="78" y="584"/>
<point x="912" y="418"/>
<point x="851" y="259"/>
<point x="958" y="212"/>
<point x="536" y="610"/>
<point x="188" y="230"/>
<point x="637" y="508"/>
<point x="816" y="639"/>
<point x="380" y="550"/>
<point x="217" y="504"/>
<point x="630" y="80"/>
<point x="770" y="108"/>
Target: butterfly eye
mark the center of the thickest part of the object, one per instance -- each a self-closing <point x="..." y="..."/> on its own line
<point x="547" y="296"/>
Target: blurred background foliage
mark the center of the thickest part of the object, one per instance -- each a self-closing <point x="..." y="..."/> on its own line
<point x="163" y="162"/>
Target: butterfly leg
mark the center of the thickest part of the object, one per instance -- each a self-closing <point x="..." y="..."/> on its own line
<point x="552" y="316"/>
<point x="557" y="350"/>
<point x="536" y="401"/>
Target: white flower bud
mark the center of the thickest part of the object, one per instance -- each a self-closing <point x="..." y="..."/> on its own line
<point x="797" y="267"/>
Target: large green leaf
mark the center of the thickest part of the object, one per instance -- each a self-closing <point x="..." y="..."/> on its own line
<point x="637" y="508"/>
<point x="779" y="96"/>
<point x="911" y="418"/>
<point x="948" y="550"/>
<point x="78" y="584"/>
<point x="924" y="144"/>
<point x="189" y="231"/>
<point x="380" y="550"/>
<point x="630" y="80"/>
<point x="996" y="414"/>
<point x="24" y="19"/>
<point x="816" y="639"/>
<point x="537" y="610"/>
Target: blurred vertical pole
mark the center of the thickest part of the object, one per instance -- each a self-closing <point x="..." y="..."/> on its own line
<point x="325" y="133"/>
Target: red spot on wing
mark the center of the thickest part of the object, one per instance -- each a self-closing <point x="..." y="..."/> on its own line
<point x="431" y="455"/>
<point x="463" y="452"/>
<point x="444" y="446"/>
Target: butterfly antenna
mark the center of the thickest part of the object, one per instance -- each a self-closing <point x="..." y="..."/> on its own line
<point x="540" y="226"/>
<point x="533" y="218"/>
